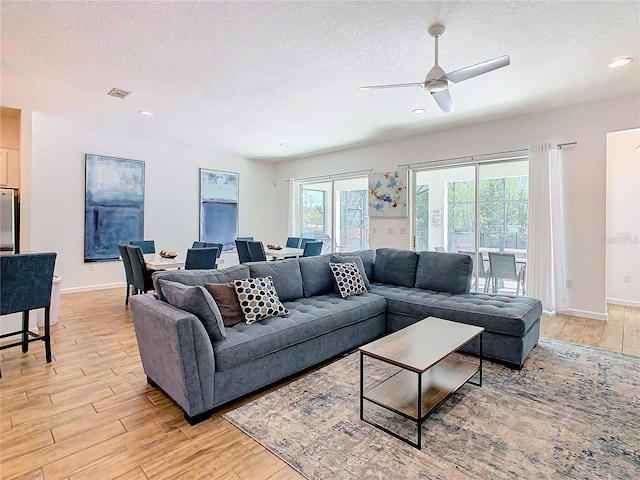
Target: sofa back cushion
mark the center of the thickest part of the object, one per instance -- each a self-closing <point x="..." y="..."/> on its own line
<point x="368" y="258"/>
<point x="285" y="275"/>
<point x="444" y="272"/>
<point x="317" y="278"/>
<point x="395" y="266"/>
<point x="199" y="277"/>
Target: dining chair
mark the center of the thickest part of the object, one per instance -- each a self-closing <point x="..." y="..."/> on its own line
<point x="248" y="239"/>
<point x="201" y="258"/>
<point x="27" y="281"/>
<point x="147" y="246"/>
<point x="312" y="249"/>
<point x="502" y="266"/>
<point x="441" y="249"/>
<point x="243" y="251"/>
<point x="128" y="272"/>
<point x="219" y="246"/>
<point x="478" y="262"/>
<point x="305" y="240"/>
<point x="256" y="251"/>
<point x="141" y="274"/>
<point x="293" y="242"/>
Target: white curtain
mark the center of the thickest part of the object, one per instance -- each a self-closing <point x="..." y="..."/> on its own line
<point x="546" y="243"/>
<point x="293" y="193"/>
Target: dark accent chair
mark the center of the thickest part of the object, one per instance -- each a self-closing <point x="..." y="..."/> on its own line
<point x="201" y="258"/>
<point x="147" y="246"/>
<point x="128" y="272"/>
<point x="312" y="249"/>
<point x="26" y="283"/>
<point x="293" y="242"/>
<point x="243" y="251"/>
<point x="141" y="274"/>
<point x="256" y="252"/>
<point x="502" y="266"/>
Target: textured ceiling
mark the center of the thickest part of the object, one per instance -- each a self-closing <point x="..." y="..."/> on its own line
<point x="241" y="78"/>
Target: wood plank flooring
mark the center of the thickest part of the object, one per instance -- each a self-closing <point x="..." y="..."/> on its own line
<point x="91" y="415"/>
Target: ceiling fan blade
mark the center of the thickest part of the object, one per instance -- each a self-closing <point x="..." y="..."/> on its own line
<point x="394" y="85"/>
<point x="443" y="99"/>
<point x="478" y="69"/>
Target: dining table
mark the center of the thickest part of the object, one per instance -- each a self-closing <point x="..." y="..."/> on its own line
<point x="155" y="261"/>
<point x="284" y="252"/>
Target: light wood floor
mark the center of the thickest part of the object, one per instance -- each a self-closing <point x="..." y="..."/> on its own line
<point x="90" y="414"/>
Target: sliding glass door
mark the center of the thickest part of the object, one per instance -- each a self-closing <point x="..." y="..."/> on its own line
<point x="336" y="212"/>
<point x="476" y="209"/>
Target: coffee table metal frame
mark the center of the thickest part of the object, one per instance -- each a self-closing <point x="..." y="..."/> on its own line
<point x="469" y="371"/>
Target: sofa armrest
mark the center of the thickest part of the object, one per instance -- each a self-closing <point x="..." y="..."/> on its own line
<point x="176" y="352"/>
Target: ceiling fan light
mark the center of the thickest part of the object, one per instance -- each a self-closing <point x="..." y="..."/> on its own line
<point x="620" y="62"/>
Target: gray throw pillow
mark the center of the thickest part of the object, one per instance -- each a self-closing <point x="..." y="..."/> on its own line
<point x="197" y="301"/>
<point x="343" y="258"/>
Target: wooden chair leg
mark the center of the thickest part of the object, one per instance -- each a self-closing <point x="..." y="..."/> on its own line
<point x="47" y="333"/>
<point x="25" y="330"/>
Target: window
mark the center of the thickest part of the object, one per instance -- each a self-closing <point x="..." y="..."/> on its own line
<point x="313" y="210"/>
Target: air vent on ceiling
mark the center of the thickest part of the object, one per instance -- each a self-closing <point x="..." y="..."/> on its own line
<point x="118" y="93"/>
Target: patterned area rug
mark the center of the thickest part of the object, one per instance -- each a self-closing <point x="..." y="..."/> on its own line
<point x="573" y="412"/>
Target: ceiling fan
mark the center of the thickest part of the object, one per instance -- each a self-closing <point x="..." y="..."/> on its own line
<point x="437" y="81"/>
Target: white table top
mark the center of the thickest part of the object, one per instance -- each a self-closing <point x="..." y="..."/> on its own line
<point x="285" y="252"/>
<point x="155" y="262"/>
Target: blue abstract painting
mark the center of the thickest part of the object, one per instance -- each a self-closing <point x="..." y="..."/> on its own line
<point x="219" y="207"/>
<point x="114" y="205"/>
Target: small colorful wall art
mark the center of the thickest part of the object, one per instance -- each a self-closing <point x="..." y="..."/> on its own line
<point x="388" y="194"/>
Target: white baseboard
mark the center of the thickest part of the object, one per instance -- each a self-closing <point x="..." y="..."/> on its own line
<point x="90" y="288"/>
<point x="626" y="303"/>
<point x="586" y="314"/>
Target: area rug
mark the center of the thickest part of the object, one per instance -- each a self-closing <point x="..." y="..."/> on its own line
<point x="573" y="412"/>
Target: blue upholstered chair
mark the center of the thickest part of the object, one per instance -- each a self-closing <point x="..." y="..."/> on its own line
<point x="256" y="251"/>
<point x="128" y="272"/>
<point x="243" y="251"/>
<point x="219" y="246"/>
<point x="141" y="274"/>
<point x="293" y="242"/>
<point x="312" y="249"/>
<point x="147" y="246"/>
<point x="305" y="240"/>
<point x="201" y="258"/>
<point x="26" y="281"/>
<point x="197" y="245"/>
<point x="248" y="239"/>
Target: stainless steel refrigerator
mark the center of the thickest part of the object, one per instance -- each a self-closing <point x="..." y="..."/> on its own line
<point x="9" y="221"/>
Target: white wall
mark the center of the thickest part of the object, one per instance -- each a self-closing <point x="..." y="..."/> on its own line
<point x="171" y="196"/>
<point x="584" y="174"/>
<point x="623" y="218"/>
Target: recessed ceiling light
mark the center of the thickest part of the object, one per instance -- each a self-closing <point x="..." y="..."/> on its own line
<point x="620" y="62"/>
<point x="146" y="113"/>
<point x="284" y="145"/>
<point x="418" y="110"/>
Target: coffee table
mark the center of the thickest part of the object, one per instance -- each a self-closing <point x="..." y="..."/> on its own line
<point x="428" y="373"/>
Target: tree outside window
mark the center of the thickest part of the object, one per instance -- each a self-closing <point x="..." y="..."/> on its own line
<point x="313" y="210"/>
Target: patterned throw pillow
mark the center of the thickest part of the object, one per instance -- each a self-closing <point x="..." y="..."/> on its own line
<point x="348" y="279"/>
<point x="259" y="299"/>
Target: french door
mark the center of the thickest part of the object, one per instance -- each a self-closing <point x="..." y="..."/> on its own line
<point x="336" y="212"/>
<point x="475" y="209"/>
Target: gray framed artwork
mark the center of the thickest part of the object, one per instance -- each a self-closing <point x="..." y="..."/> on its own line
<point x="219" y="207"/>
<point x="113" y="205"/>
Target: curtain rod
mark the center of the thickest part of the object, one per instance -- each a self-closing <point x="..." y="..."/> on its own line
<point x="472" y="157"/>
<point x="409" y="165"/>
<point x="332" y="176"/>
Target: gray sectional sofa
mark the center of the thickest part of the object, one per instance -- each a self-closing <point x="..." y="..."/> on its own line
<point x="201" y="374"/>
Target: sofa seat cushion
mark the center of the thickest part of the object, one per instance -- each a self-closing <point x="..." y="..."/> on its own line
<point x="509" y="315"/>
<point x="308" y="318"/>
